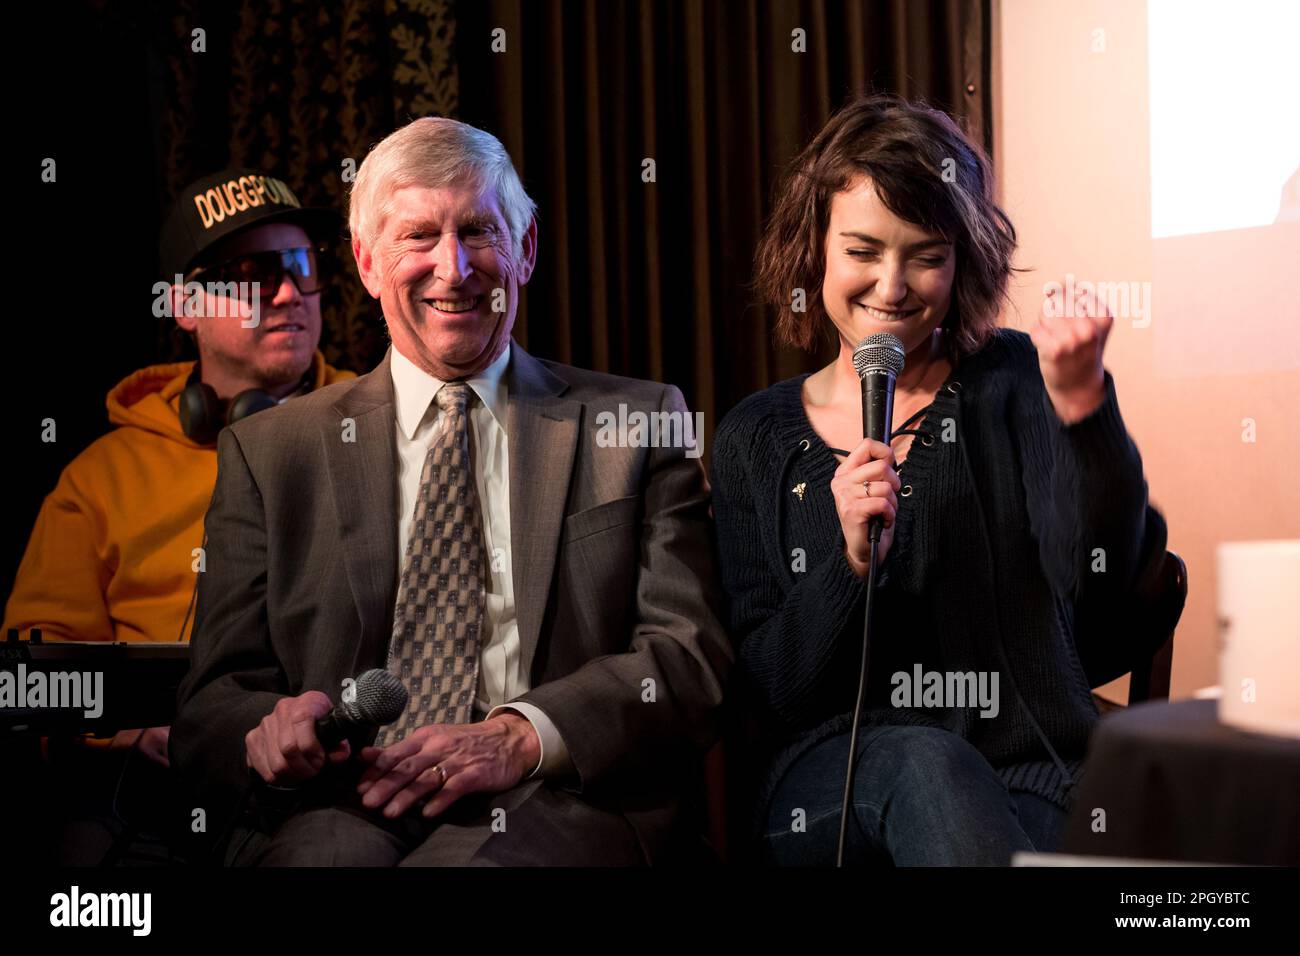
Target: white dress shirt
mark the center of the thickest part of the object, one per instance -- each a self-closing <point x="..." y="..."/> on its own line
<point x="418" y="421"/>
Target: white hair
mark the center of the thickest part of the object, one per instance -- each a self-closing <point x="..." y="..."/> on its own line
<point x="435" y="151"/>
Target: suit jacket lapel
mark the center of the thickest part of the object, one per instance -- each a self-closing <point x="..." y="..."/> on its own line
<point x="363" y="480"/>
<point x="543" y="437"/>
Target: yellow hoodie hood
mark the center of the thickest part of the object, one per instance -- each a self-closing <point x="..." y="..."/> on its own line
<point x="115" y="551"/>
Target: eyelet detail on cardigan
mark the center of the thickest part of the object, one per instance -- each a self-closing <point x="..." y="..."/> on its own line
<point x="905" y="491"/>
<point x="805" y="444"/>
<point x="954" y="388"/>
<point x="927" y="439"/>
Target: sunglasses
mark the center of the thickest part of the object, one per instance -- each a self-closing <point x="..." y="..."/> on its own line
<point x="268" y="270"/>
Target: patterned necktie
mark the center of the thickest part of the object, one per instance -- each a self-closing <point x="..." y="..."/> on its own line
<point x="440" y="600"/>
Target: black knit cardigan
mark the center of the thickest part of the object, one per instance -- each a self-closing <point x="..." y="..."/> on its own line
<point x="1009" y="524"/>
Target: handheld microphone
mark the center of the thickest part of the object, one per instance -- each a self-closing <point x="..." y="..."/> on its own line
<point x="879" y="359"/>
<point x="376" y="698"/>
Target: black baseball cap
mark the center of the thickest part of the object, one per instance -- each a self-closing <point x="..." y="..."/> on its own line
<point x="218" y="206"/>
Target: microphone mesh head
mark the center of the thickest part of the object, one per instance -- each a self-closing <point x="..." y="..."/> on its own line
<point x="880" y="352"/>
<point x="381" y="696"/>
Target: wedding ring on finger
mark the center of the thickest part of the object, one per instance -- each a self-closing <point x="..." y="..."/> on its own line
<point x="867" y="486"/>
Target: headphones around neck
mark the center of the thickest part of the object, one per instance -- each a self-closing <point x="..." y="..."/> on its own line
<point x="204" y="413"/>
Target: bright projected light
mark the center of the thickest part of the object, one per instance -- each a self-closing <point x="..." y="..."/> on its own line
<point x="1225" y="114"/>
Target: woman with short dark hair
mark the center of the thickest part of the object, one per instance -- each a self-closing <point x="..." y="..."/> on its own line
<point x="1008" y="472"/>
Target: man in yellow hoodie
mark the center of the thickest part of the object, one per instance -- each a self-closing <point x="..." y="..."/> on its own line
<point x="115" y="551"/>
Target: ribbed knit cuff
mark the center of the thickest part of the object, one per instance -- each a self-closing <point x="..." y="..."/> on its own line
<point x="843" y="588"/>
<point x="1101" y="431"/>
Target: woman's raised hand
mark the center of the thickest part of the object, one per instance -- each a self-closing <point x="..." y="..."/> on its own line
<point x="1070" y="338"/>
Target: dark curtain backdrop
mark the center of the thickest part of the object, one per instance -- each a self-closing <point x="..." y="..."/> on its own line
<point x="644" y="279"/>
<point x="649" y="279"/>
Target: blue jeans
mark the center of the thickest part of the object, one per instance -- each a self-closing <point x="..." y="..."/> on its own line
<point x="922" y="797"/>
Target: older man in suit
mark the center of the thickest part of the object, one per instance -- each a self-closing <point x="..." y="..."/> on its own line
<point x="548" y="598"/>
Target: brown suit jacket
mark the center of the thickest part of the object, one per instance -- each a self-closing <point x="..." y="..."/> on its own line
<point x="611" y="559"/>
